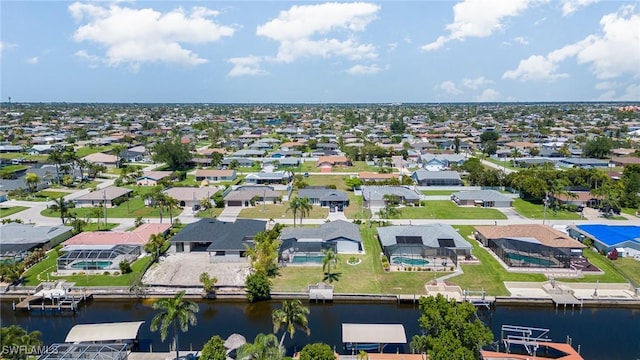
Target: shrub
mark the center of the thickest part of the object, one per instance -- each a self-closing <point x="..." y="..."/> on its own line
<point x="125" y="267"/>
<point x="317" y="351"/>
<point x="258" y="286"/>
<point x="106" y="273"/>
<point x="214" y="349"/>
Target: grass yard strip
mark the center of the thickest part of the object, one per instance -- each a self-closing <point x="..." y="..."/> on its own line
<point x="39" y="271"/>
<point x="489" y="274"/>
<point x="445" y="209"/>
<point x="88" y="150"/>
<point x="504" y="164"/>
<point x="367" y="277"/>
<point x="536" y="211"/>
<point x="213" y="212"/>
<point x="630" y="268"/>
<point x="131" y="208"/>
<point x="279" y="211"/>
<point x="630" y="211"/>
<point x="11" y="210"/>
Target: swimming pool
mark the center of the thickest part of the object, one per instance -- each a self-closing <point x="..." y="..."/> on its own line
<point x="403" y="260"/>
<point x="91" y="265"/>
<point x="301" y="259"/>
<point x="534" y="261"/>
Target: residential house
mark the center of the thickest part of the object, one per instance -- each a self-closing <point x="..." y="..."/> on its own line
<point x="326" y="163"/>
<point x="437" y="162"/>
<point x="331" y="198"/>
<point x="625" y="239"/>
<point x="264" y="178"/>
<point x="368" y="177"/>
<point x="224" y="241"/>
<point x="110" y="197"/>
<point x="138" y="237"/>
<point x="18" y="239"/>
<point x="190" y="197"/>
<point x="341" y="236"/>
<point x="624" y="161"/>
<point x="215" y="175"/>
<point x="531" y="245"/>
<point x="584" y="163"/>
<point x="436" y="178"/>
<point x="374" y="196"/>
<point x="429" y="243"/>
<point x="578" y="198"/>
<point x="135" y="154"/>
<point x="242" y="162"/>
<point x="247" y="196"/>
<point x="110" y="161"/>
<point x="248" y="153"/>
<point x="483" y="198"/>
<point x="152" y="178"/>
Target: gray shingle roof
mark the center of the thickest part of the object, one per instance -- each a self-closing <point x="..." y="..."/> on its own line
<point x="326" y="232"/>
<point x="323" y="194"/>
<point x="484" y="195"/>
<point x="15" y="233"/>
<point x="377" y="193"/>
<point x="222" y="235"/>
<point x="424" y="175"/>
<point x="429" y="233"/>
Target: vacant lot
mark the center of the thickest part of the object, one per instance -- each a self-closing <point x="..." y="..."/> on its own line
<point x="279" y="211"/>
<point x="445" y="209"/>
<point x="537" y="211"/>
<point x="6" y="211"/>
<point x="131" y="208"/>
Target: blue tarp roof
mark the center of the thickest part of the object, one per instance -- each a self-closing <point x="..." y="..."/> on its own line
<point x="611" y="235"/>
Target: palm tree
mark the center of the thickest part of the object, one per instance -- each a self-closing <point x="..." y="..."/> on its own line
<point x="159" y="199"/>
<point x="82" y="165"/>
<point x="305" y="208"/>
<point x="32" y="180"/>
<point x="205" y="204"/>
<point x="293" y="314"/>
<point x="63" y="206"/>
<point x="264" y="347"/>
<point x="118" y="151"/>
<point x="294" y="206"/>
<point x="56" y="157"/>
<point x="154" y="246"/>
<point x="174" y="312"/>
<point x="330" y="259"/>
<point x="18" y="338"/>
<point x="170" y="203"/>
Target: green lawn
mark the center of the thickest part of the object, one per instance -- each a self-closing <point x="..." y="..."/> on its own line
<point x="93" y="226"/>
<point x="189" y="181"/>
<point x="88" y="150"/>
<point x="38" y="273"/>
<point x="536" y="211"/>
<point x="358" y="166"/>
<point x="131" y="208"/>
<point x="445" y="209"/>
<point x="489" y="274"/>
<point x="506" y="164"/>
<point x="438" y="192"/>
<point x="279" y="211"/>
<point x="630" y="211"/>
<point x="214" y="212"/>
<point x="367" y="277"/>
<point x="42" y="196"/>
<point x="611" y="275"/>
<point x="355" y="210"/>
<point x="324" y="180"/>
<point x="25" y="156"/>
<point x="6" y="211"/>
<point x="630" y="268"/>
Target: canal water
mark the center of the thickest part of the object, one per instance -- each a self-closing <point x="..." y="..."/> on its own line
<point x="601" y="333"/>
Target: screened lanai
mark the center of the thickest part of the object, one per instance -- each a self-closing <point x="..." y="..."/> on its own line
<point x="96" y="257"/>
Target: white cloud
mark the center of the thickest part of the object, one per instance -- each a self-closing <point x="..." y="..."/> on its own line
<point x="611" y="54"/>
<point x="4" y="46"/>
<point x="476" y="83"/>
<point x="488" y="95"/>
<point x="630" y="93"/>
<point x="323" y="30"/>
<point x="136" y="36"/>
<point x="93" y="60"/>
<point x="248" y="65"/>
<point x="391" y="47"/>
<point x="478" y="18"/>
<point x="535" y="68"/>
<point x="606" y="85"/>
<point x="571" y="6"/>
<point x="449" y="87"/>
<point x="363" y="69"/>
<point x="521" y="40"/>
<point x="33" y="60"/>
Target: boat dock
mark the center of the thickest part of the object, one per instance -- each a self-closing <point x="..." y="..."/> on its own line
<point x="58" y="298"/>
<point x="564" y="299"/>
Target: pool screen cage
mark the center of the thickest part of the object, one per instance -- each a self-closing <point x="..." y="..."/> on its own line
<point x="85" y="351"/>
<point x="291" y="248"/>
<point x="518" y="253"/>
<point x="421" y="252"/>
<point x="114" y="254"/>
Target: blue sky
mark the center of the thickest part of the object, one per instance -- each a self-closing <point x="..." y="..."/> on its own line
<point x="320" y="52"/>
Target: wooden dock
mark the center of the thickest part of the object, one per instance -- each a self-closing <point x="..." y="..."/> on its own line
<point x="67" y="302"/>
<point x="564" y="299"/>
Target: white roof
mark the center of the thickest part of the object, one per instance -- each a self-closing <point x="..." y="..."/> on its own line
<point x="104" y="332"/>
<point x="373" y="334"/>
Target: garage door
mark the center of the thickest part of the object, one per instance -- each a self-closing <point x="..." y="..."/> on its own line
<point x="234" y="203"/>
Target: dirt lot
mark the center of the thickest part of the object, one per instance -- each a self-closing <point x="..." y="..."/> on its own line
<point x="184" y="269"/>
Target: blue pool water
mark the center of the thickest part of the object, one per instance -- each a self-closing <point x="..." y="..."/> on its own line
<point x="402" y="260"/>
<point x="301" y="259"/>
<point x="530" y="260"/>
<point x="91" y="265"/>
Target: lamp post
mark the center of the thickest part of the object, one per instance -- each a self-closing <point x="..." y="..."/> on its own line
<point x="264" y="200"/>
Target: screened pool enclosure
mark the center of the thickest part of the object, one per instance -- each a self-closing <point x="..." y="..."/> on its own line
<point x="89" y="258"/>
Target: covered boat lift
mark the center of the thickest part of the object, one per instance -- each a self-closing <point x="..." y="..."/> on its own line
<point x="358" y="337"/>
<point x="116" y="333"/>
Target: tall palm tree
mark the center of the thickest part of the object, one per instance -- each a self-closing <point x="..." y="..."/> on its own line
<point x="305" y="208"/>
<point x="32" y="180"/>
<point x="264" y="347"/>
<point x="174" y="312"/>
<point x="56" y="156"/>
<point x="154" y="246"/>
<point x="294" y="207"/>
<point x="329" y="260"/>
<point x="82" y="165"/>
<point x="63" y="206"/>
<point x="292" y="315"/>
<point x="159" y="199"/>
<point x="170" y="203"/>
<point x="118" y="151"/>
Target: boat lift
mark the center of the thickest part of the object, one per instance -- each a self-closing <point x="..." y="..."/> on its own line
<point x="528" y="337"/>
